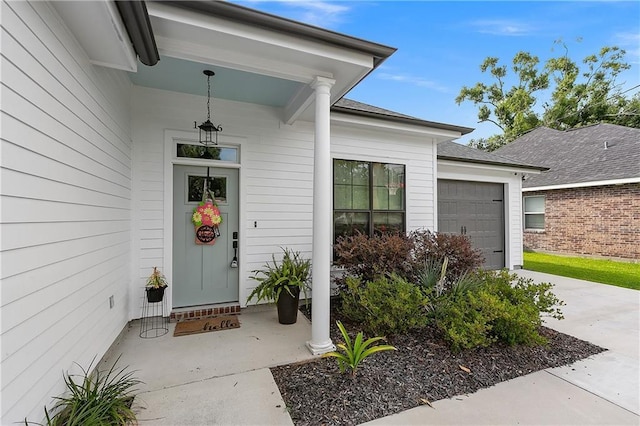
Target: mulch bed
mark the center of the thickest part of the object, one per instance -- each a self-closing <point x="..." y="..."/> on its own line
<point x="421" y="371"/>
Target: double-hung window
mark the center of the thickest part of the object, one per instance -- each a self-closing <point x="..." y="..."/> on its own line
<point x="534" y="212"/>
<point x="368" y="197"/>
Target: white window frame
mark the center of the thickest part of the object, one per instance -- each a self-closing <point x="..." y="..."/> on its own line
<point x="534" y="213"/>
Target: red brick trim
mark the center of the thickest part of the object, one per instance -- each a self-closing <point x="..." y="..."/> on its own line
<point x="203" y="313"/>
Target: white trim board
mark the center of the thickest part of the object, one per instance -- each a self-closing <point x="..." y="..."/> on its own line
<point x="584" y="184"/>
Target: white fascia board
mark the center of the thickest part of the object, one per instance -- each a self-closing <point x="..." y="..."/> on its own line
<point x="228" y="29"/>
<point x="381" y="124"/>
<point x="479" y="166"/>
<point x="583" y="184"/>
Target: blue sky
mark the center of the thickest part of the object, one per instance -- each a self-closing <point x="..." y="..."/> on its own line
<point x="442" y="44"/>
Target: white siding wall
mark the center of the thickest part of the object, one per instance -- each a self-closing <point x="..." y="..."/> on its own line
<point x="66" y="191"/>
<point x="276" y="176"/>
<point x="513" y="205"/>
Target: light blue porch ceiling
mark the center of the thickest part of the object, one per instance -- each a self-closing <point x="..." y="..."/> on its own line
<point x="185" y="76"/>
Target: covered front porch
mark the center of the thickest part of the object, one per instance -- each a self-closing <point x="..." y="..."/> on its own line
<point x="218" y="377"/>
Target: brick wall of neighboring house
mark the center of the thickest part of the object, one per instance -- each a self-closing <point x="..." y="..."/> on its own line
<point x="598" y="221"/>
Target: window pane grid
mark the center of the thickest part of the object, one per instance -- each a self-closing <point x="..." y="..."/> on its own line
<point x="368" y="198"/>
<point x="534" y="212"/>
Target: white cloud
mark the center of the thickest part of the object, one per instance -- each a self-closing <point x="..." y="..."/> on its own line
<point x="324" y="14"/>
<point x="416" y="81"/>
<point x="503" y="27"/>
<point x="630" y="42"/>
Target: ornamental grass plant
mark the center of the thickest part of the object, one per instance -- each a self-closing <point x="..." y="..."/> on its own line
<point x="97" y="399"/>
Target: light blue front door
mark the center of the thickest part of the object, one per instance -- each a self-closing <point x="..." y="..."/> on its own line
<point x="202" y="274"/>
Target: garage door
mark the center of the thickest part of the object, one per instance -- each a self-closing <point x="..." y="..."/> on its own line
<point x="474" y="209"/>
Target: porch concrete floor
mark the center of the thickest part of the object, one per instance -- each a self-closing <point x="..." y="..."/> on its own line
<point x="219" y="377"/>
<point x="222" y="378"/>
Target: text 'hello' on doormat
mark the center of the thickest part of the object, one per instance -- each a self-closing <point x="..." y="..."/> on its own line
<point x="205" y="325"/>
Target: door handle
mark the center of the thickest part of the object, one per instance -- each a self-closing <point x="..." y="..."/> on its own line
<point x="234" y="262"/>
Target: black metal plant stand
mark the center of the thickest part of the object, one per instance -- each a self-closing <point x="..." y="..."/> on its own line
<point x="154" y="322"/>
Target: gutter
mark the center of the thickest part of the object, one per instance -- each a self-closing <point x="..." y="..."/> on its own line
<point x="493" y="163"/>
<point x="136" y="21"/>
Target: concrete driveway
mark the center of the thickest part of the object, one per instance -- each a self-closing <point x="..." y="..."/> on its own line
<point x="222" y="378"/>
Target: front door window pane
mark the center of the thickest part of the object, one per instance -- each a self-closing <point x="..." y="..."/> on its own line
<point x="217" y="185"/>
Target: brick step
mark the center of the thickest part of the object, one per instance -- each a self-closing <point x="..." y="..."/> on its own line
<point x="199" y="312"/>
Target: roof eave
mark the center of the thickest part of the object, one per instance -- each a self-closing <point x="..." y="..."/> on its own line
<point x="237" y="13"/>
<point x="404" y="120"/>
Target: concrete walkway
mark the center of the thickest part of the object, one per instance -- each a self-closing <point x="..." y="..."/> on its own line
<point x="222" y="378"/>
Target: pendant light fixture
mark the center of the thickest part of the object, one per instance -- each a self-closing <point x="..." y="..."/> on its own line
<point x="208" y="131"/>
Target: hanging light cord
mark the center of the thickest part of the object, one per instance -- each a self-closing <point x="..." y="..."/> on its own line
<point x="208" y="97"/>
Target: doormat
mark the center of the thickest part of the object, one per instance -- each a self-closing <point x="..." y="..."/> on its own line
<point x="205" y="325"/>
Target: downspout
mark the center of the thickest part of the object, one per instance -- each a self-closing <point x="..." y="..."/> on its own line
<point x="136" y="21"/>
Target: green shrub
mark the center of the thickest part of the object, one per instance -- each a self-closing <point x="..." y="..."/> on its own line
<point x="384" y="306"/>
<point x="466" y="321"/>
<point x="503" y="308"/>
<point x="523" y="290"/>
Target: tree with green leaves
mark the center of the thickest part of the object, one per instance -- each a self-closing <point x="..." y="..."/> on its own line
<point x="594" y="98"/>
<point x="581" y="94"/>
<point x="509" y="108"/>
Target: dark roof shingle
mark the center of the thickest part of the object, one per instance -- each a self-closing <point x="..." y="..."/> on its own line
<point x="456" y="152"/>
<point x="354" y="107"/>
<point x="595" y="153"/>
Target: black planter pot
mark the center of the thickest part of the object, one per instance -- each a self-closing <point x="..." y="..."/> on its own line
<point x="155" y="295"/>
<point x="288" y="306"/>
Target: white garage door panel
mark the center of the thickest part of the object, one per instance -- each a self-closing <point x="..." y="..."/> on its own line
<point x="474" y="209"/>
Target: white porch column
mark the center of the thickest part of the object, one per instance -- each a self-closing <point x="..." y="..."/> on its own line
<point x="321" y="262"/>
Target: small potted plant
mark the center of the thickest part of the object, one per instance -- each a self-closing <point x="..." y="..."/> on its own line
<point x="156" y="283"/>
<point x="281" y="282"/>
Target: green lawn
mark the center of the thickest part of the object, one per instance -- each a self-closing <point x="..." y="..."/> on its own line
<point x="621" y="274"/>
